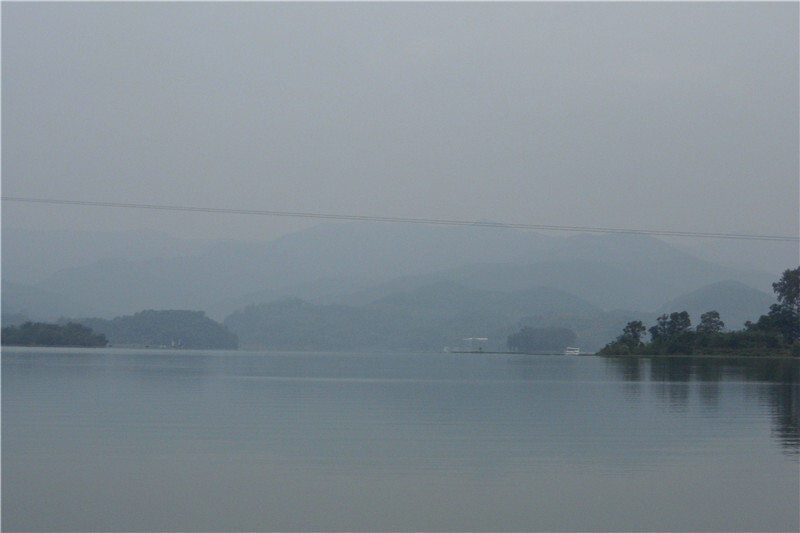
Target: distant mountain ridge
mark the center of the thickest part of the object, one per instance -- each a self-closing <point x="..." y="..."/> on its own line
<point x="35" y="303"/>
<point x="604" y="285"/>
<point x="427" y="318"/>
<point x="468" y="275"/>
<point x="229" y="271"/>
<point x="448" y="298"/>
<point x="446" y="313"/>
<point x="167" y="328"/>
<point x="29" y="257"/>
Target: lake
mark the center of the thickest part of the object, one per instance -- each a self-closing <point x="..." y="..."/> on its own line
<point x="149" y="440"/>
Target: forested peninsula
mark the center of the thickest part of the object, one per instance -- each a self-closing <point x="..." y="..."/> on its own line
<point x="171" y="329"/>
<point x="43" y="334"/>
<point x="775" y="333"/>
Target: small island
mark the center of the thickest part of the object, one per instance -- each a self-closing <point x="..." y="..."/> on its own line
<point x="43" y="334"/>
<point x="166" y="328"/>
<point x="775" y="334"/>
<point x="172" y="328"/>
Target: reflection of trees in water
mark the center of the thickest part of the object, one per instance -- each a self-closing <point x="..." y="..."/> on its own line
<point x="673" y="380"/>
<point x="631" y="369"/>
<point x="780" y="376"/>
<point x="783" y="394"/>
<point x="786" y="399"/>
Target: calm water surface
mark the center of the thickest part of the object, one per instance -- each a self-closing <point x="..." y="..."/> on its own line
<point x="113" y="440"/>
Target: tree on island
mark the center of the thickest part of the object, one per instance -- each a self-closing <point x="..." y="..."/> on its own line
<point x="42" y="334"/>
<point x="187" y="329"/>
<point x="784" y="316"/>
<point x="530" y="339"/>
<point x="670" y="326"/>
<point x="777" y="332"/>
<point x="710" y="323"/>
<point x="632" y="335"/>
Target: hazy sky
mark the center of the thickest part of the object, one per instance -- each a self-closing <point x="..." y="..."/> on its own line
<point x="676" y="116"/>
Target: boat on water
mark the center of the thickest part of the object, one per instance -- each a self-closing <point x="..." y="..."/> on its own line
<point x="572" y="350"/>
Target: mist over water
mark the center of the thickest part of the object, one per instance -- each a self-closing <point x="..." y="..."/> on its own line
<point x="179" y="156"/>
<point x="661" y="116"/>
<point x="234" y="441"/>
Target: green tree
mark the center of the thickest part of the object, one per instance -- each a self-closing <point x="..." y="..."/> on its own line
<point x="668" y="326"/>
<point x="776" y="333"/>
<point x="788" y="289"/>
<point x="659" y="331"/>
<point x="710" y="323"/>
<point x="43" y="334"/>
<point x="785" y="314"/>
<point x="784" y="317"/>
<point x="678" y="323"/>
<point x="632" y="333"/>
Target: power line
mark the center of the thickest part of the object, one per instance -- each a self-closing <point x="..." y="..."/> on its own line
<point x="405" y="220"/>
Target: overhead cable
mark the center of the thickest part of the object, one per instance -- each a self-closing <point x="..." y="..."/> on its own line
<point x="405" y="220"/>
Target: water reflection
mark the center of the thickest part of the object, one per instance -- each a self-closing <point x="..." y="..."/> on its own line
<point x="676" y="378"/>
<point x="235" y="441"/>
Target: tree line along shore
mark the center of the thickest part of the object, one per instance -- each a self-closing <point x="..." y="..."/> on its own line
<point x="776" y="333"/>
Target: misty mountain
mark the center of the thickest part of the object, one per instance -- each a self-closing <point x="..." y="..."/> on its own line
<point x="767" y="256"/>
<point x="427" y="318"/>
<point x="449" y="298"/>
<point x="358" y="264"/>
<point x="322" y="259"/>
<point x="735" y="302"/>
<point x="30" y="257"/>
<point x="368" y="252"/>
<point x="31" y="302"/>
<point x="176" y="328"/>
<point x="651" y="262"/>
<point x="298" y="325"/>
<point x="332" y="290"/>
<point x="115" y="287"/>
<point x="605" y="270"/>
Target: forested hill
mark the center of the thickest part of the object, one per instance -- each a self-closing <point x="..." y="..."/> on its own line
<point x="43" y="334"/>
<point x="357" y="264"/>
<point x="428" y="318"/>
<point x="185" y="329"/>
